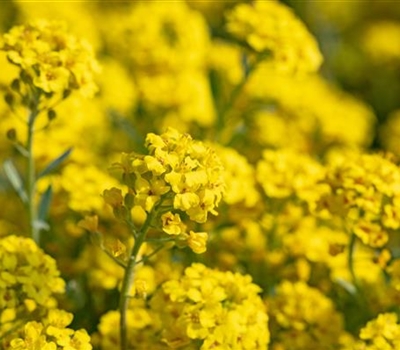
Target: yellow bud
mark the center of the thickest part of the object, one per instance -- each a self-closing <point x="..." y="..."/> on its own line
<point x="113" y="197"/>
<point x="89" y="223"/>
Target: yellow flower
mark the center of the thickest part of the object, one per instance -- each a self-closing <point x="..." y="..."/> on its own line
<point x="381" y="333"/>
<point x="29" y="270"/>
<point x="52" y="334"/>
<point x="53" y="60"/>
<point x="363" y="193"/>
<point x="197" y="241"/>
<point x="213" y="309"/>
<point x="271" y="26"/>
<point x="303" y="318"/>
<point x="178" y="176"/>
<point x="172" y="224"/>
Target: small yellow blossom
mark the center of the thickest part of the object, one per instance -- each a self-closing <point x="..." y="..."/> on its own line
<point x="28" y="270"/>
<point x="53" y="60"/>
<point x="197" y="241"/>
<point x="52" y="334"/>
<point x="172" y="224"/>
<point x="216" y="309"/>
<point x="303" y="318"/>
<point x="271" y="26"/>
<point x="364" y="193"/>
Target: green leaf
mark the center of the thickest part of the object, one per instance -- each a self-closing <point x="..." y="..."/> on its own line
<point x="41" y="225"/>
<point x="44" y="204"/>
<point x="347" y="286"/>
<point x="15" y="179"/>
<point x="55" y="163"/>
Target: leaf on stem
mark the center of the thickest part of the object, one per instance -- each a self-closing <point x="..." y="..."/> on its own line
<point x="349" y="287"/>
<point x="44" y="205"/>
<point x="55" y="163"/>
<point x="15" y="179"/>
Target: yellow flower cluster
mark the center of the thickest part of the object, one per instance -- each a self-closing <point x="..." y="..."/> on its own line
<point x="365" y="194"/>
<point x="238" y="171"/>
<point x="166" y="54"/>
<point x="50" y="59"/>
<point x="179" y="33"/>
<point x="221" y="310"/>
<point x="302" y="317"/>
<point x="143" y="329"/>
<point x="305" y="247"/>
<point x="270" y="26"/>
<point x="179" y="175"/>
<point x="52" y="334"/>
<point x="285" y="173"/>
<point x="28" y="277"/>
<point x="381" y="41"/>
<point x="313" y="127"/>
<point x="381" y="333"/>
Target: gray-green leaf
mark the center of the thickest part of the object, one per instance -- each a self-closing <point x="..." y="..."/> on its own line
<point x="15" y="179"/>
<point x="55" y="163"/>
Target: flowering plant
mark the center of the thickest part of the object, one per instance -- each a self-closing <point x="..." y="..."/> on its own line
<point x="187" y="176"/>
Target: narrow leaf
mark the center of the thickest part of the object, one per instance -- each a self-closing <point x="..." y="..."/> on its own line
<point x="41" y="225"/>
<point x="44" y="204"/>
<point x="55" y="163"/>
<point x="15" y="179"/>
<point x="347" y="286"/>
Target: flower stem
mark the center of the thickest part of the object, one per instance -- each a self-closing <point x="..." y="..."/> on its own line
<point x="350" y="260"/>
<point x="223" y="113"/>
<point x="31" y="179"/>
<point x="128" y="281"/>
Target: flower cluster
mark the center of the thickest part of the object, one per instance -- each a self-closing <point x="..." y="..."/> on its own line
<point x="181" y="37"/>
<point x="381" y="333"/>
<point x="50" y="59"/>
<point x="217" y="108"/>
<point x="179" y="176"/>
<point x="219" y="309"/>
<point x="28" y="277"/>
<point x="313" y="127"/>
<point x="285" y="173"/>
<point x="271" y="26"/>
<point x="303" y="318"/>
<point x="52" y="334"/>
<point x="143" y="324"/>
<point x="365" y="194"/>
<point x="237" y="171"/>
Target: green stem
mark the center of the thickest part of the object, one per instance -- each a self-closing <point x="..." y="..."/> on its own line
<point x="31" y="179"/>
<point x="350" y="260"/>
<point x="224" y="111"/>
<point x="128" y="280"/>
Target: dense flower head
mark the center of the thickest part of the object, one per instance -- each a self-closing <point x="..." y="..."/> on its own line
<point x="52" y="334"/>
<point x="284" y="173"/>
<point x="238" y="171"/>
<point x="143" y="327"/>
<point x="303" y="318"/>
<point x="29" y="281"/>
<point x="26" y="273"/>
<point x="50" y="59"/>
<point x="179" y="170"/>
<point x="219" y="309"/>
<point x="271" y="26"/>
<point x="179" y="174"/>
<point x="364" y="191"/>
<point x="338" y="119"/>
<point x="176" y="38"/>
<point x="381" y="333"/>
